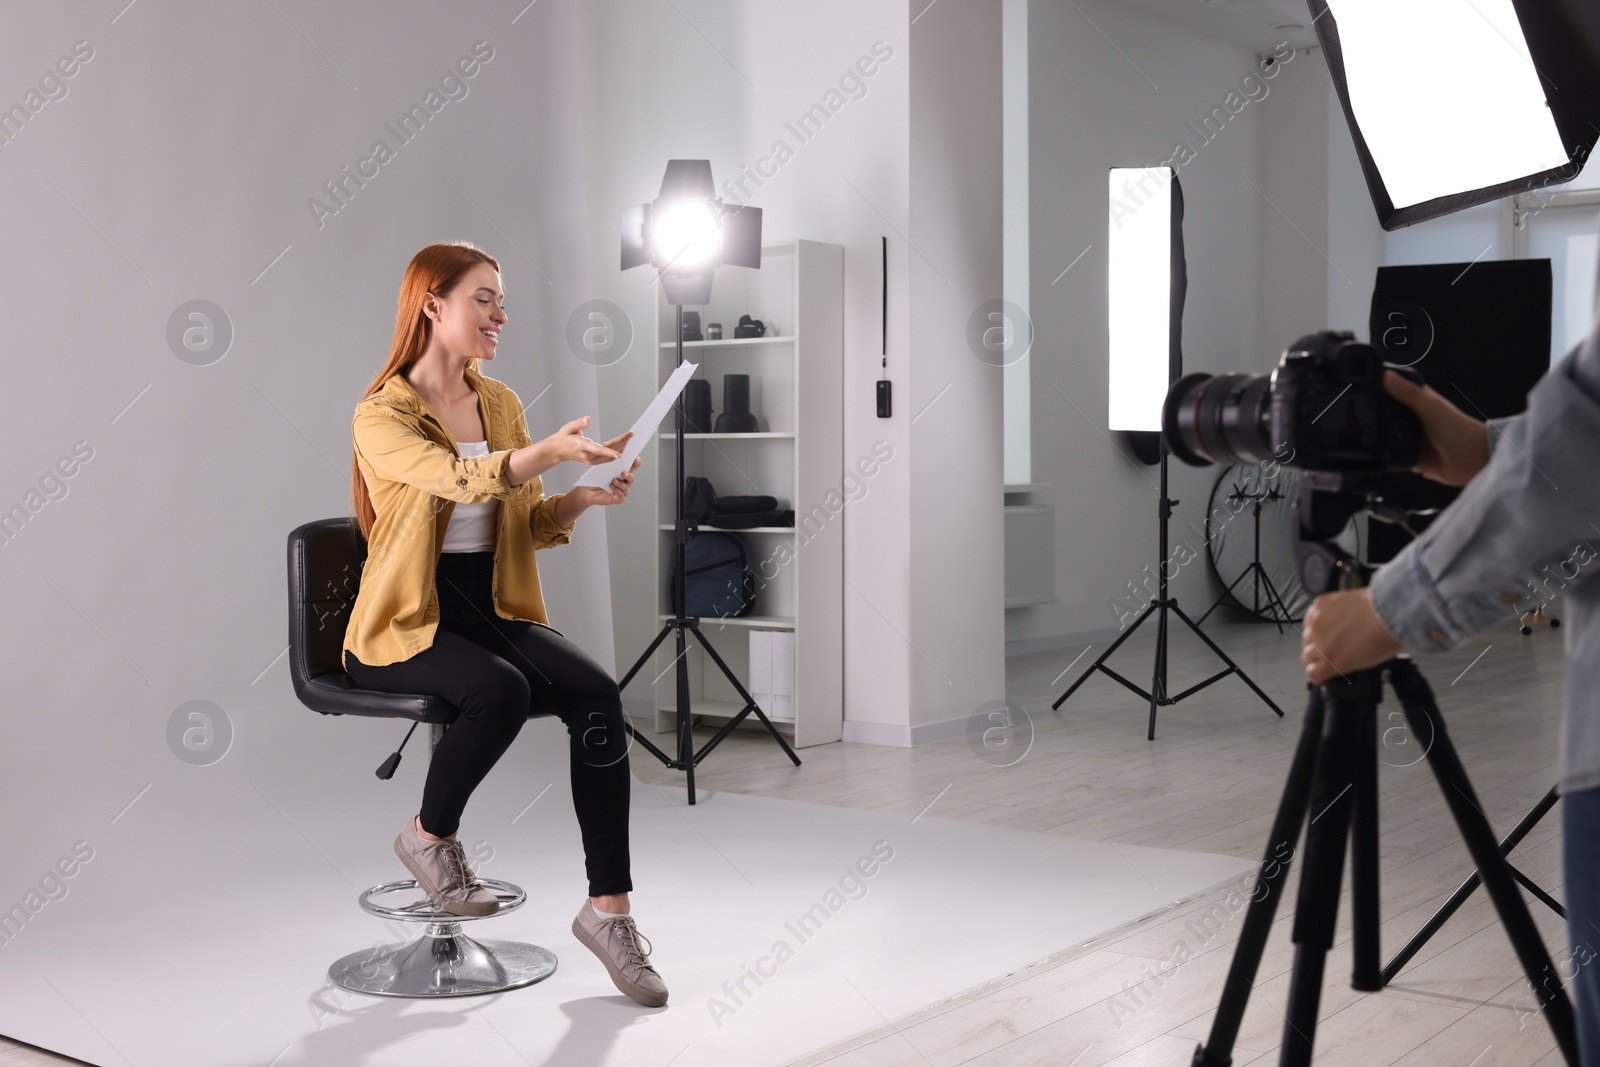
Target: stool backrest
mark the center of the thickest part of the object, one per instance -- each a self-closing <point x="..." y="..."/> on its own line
<point x="325" y="560"/>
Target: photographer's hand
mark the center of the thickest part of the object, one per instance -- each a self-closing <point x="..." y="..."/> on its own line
<point x="1455" y="445"/>
<point x="1342" y="635"/>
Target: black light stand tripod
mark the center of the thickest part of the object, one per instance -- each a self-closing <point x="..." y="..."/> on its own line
<point x="683" y="625"/>
<point x="1159" y="606"/>
<point x="1333" y="780"/>
<point x="1277" y="611"/>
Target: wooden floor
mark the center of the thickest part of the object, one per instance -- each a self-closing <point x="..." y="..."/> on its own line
<point x="1209" y="782"/>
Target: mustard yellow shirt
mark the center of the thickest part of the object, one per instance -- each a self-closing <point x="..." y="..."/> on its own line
<point x="416" y="475"/>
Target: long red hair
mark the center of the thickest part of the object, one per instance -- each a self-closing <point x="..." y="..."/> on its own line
<point x="438" y="269"/>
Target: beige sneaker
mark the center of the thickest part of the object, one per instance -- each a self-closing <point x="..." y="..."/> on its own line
<point x="440" y="868"/>
<point x="616" y="942"/>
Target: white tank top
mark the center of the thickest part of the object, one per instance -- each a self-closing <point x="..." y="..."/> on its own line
<point x="472" y="526"/>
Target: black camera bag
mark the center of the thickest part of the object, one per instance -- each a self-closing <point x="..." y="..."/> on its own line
<point x="718" y="581"/>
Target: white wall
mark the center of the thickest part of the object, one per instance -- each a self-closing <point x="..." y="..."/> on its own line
<point x="179" y="166"/>
<point x="1472" y="234"/>
<point x="1092" y="108"/>
<point x="1281" y="241"/>
<point x="1355" y="240"/>
<point x="718" y="79"/>
<point x="957" y="560"/>
<point x="661" y="90"/>
<point x="1295" y="262"/>
<point x="1018" y="399"/>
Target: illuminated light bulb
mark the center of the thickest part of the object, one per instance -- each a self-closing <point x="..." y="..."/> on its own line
<point x="686" y="233"/>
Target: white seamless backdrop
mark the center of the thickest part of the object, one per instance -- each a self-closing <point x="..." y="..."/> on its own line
<point x="178" y="170"/>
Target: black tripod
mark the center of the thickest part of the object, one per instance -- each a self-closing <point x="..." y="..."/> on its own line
<point x="1277" y="611"/>
<point x="683" y="625"/>
<point x="1333" y="780"/>
<point x="1470" y="886"/>
<point x="1159" y="606"/>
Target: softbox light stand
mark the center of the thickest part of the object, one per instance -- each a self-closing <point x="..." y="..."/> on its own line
<point x="1164" y="602"/>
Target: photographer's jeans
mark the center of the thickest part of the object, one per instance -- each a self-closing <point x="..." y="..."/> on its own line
<point x="494" y="671"/>
<point x="1580" y="849"/>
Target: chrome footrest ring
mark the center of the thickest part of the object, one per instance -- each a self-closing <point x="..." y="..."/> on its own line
<point x="511" y="897"/>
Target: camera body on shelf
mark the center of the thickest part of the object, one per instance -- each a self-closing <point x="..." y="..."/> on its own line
<point x="1323" y="408"/>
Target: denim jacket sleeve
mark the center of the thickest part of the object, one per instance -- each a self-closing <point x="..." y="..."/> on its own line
<point x="1526" y="520"/>
<point x="394" y="448"/>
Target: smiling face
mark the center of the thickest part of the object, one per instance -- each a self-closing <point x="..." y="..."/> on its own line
<point x="467" y="322"/>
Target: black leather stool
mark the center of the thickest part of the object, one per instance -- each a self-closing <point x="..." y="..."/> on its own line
<point x="325" y="563"/>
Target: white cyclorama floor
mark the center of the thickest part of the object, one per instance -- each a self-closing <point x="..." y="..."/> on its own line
<point x="205" y="935"/>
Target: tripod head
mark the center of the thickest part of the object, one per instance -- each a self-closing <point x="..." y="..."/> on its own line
<point x="1325" y="504"/>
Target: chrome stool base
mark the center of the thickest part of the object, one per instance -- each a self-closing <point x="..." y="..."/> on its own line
<point x="443" y="965"/>
<point x="443" y="962"/>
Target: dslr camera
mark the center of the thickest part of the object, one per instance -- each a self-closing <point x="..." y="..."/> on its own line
<point x="1323" y="408"/>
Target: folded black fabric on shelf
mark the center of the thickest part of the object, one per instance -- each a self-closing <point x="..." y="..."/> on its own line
<point x="737" y="505"/>
<point x="745" y="520"/>
<point x="702" y="505"/>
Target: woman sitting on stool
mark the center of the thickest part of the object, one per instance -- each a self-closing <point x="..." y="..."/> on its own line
<point x="446" y="490"/>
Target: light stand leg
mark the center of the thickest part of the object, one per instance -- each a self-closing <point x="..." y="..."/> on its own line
<point x="685" y="724"/>
<point x="1278" y="611"/>
<point x="1224" y="595"/>
<point x="1157" y="695"/>
<point x="749" y="706"/>
<point x="686" y="758"/>
<point x="1274" y="601"/>
<point x="1099" y="664"/>
<point x="1233" y="668"/>
<point x="626" y="678"/>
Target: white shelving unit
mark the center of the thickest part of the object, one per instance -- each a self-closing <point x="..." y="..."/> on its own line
<point x="796" y="393"/>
